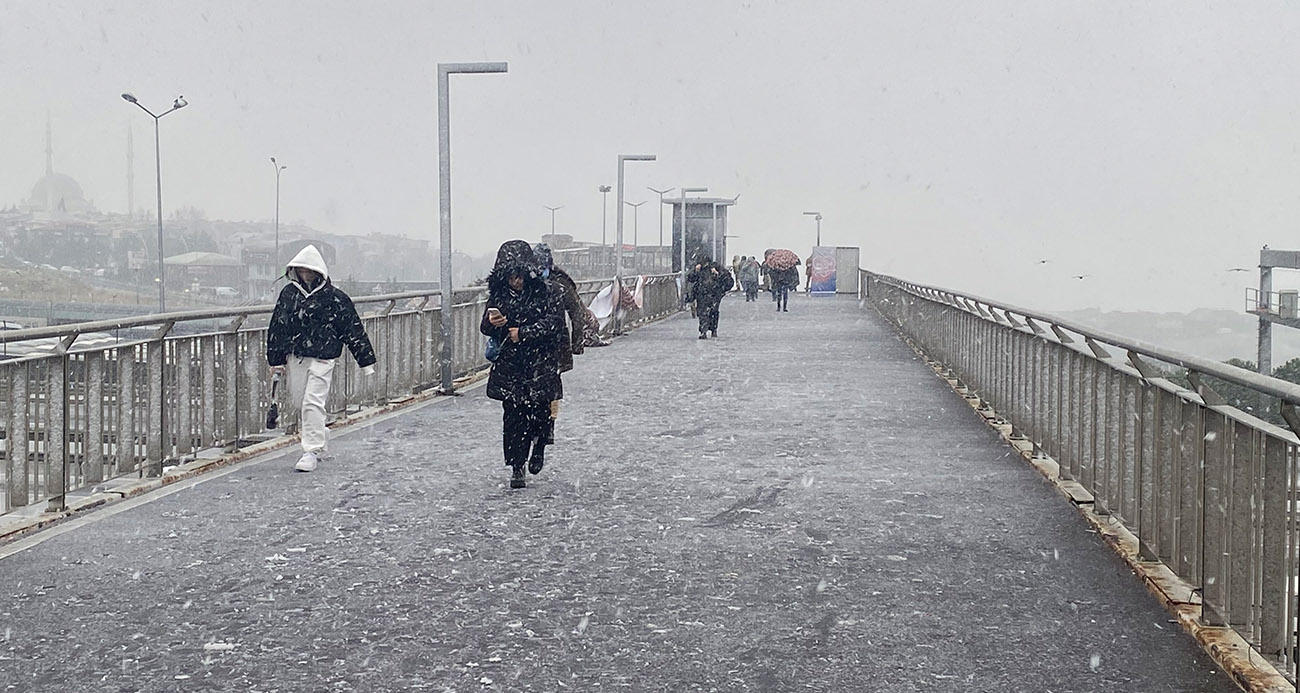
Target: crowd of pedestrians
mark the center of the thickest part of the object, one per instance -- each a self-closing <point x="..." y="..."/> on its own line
<point x="534" y="321"/>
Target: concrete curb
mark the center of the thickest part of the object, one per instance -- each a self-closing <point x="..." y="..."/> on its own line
<point x="1246" y="667"/>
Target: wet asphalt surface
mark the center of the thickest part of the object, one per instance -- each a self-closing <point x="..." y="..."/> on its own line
<point x="799" y="505"/>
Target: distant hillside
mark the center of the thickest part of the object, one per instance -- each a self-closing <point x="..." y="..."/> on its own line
<point x="1215" y="334"/>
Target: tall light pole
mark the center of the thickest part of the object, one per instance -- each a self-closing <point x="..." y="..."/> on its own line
<point x="278" y="169"/>
<point x="444" y="203"/>
<point x="553" y="216"/>
<point x="636" y="212"/>
<point x="604" y="210"/>
<point x="684" y="189"/>
<point x="818" y="217"/>
<point x="618" y="230"/>
<point x="178" y="104"/>
<point x="661" y="211"/>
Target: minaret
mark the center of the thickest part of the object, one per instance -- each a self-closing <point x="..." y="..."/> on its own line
<point x="49" y="164"/>
<point x="130" y="174"/>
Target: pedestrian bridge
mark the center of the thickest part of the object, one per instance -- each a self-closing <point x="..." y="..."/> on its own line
<point x="910" y="490"/>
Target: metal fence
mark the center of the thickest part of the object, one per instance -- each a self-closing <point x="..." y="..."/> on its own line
<point x="80" y="415"/>
<point x="1207" y="489"/>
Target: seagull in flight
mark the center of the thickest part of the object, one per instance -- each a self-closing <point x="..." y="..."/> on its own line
<point x="1238" y="269"/>
<point x="1082" y="276"/>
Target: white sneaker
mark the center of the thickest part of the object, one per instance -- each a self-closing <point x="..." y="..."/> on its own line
<point x="306" y="463"/>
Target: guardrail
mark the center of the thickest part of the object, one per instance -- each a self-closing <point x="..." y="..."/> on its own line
<point x="76" y="417"/>
<point x="1207" y="489"/>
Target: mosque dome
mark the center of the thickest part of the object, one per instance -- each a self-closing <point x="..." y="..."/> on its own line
<point x="58" y="192"/>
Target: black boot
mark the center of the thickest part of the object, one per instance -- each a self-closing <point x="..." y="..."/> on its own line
<point x="517" y="477"/>
<point x="703" y="335"/>
<point x="538" y="458"/>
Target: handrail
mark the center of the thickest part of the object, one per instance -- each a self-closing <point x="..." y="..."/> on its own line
<point x="1274" y="387"/>
<point x="9" y="336"/>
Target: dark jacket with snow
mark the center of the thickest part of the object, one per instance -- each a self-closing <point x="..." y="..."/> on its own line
<point x="710" y="282"/>
<point x="571" y="342"/>
<point x="527" y="371"/>
<point x="315" y="321"/>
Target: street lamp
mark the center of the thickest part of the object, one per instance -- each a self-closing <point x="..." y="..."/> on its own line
<point x="618" y="229"/>
<point x="444" y="202"/>
<point x="278" y="169"/>
<point x="178" y="104"/>
<point x="661" y="211"/>
<point x="636" y="212"/>
<point x="818" y="217"/>
<point x="685" y="190"/>
<point x="553" y="216"/>
<point x="604" y="210"/>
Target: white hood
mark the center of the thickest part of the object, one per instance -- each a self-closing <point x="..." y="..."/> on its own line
<point x="310" y="258"/>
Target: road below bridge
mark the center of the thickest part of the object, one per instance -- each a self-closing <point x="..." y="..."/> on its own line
<point x="797" y="505"/>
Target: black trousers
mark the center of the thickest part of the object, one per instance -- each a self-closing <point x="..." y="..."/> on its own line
<point x="708" y="315"/>
<point x="523" y="426"/>
<point x="782" y="297"/>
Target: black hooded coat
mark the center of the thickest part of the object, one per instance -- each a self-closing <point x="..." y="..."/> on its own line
<point x="315" y="321"/>
<point x="527" y="371"/>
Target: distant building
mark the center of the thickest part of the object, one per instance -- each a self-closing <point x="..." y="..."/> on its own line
<point x="705" y="233"/>
<point x="55" y="193"/>
<point x="197" y="270"/>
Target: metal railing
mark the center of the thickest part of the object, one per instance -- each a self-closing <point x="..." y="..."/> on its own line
<point x="75" y="417"/>
<point x="1207" y="489"/>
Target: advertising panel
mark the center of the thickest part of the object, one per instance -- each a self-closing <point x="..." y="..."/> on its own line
<point x="823" y="271"/>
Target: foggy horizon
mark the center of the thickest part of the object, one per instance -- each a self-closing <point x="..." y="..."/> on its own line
<point x="1149" y="149"/>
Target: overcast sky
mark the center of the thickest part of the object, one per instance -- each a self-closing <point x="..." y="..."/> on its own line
<point x="1149" y="146"/>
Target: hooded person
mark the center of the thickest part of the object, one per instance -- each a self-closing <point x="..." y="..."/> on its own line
<point x="572" y="341"/>
<point x="312" y="322"/>
<point x="525" y="313"/>
<point x="710" y="282"/>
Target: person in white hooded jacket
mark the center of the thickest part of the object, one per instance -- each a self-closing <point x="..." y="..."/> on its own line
<point x="311" y="323"/>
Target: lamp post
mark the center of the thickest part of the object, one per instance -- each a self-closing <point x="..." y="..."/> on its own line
<point x="604" y="210"/>
<point x="178" y="104"/>
<point x="618" y="231"/>
<point x="444" y="203"/>
<point x="684" y="189"/>
<point x="278" y="169"/>
<point x="818" y="217"/>
<point x="661" y="211"/>
<point x="636" y="212"/>
<point x="552" y="209"/>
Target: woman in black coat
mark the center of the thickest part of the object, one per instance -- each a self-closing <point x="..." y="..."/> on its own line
<point x="524" y="314"/>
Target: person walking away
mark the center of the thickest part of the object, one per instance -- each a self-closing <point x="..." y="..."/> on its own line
<point x="310" y="325"/>
<point x="785" y="281"/>
<point x="735" y="271"/>
<point x="711" y="281"/>
<point x="748" y="278"/>
<point x="524" y="312"/>
<point x="807" y="270"/>
<point x="571" y="341"/>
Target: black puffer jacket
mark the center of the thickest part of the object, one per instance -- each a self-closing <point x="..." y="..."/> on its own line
<point x="527" y="371"/>
<point x="315" y="321"/>
<point x="710" y="282"/>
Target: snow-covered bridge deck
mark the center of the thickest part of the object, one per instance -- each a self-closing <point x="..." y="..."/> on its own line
<point x="798" y="505"/>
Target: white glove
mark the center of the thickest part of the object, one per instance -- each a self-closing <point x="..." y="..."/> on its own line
<point x="368" y="370"/>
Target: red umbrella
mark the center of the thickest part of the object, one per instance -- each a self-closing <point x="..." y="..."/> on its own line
<point x="782" y="259"/>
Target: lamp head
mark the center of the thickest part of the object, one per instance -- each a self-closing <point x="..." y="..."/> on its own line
<point x="129" y="97"/>
<point x="180" y="102"/>
<point x="604" y="188"/>
<point x="273" y="160"/>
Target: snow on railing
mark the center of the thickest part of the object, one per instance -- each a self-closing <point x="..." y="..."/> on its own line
<point x="84" y="403"/>
<point x="1207" y="489"/>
